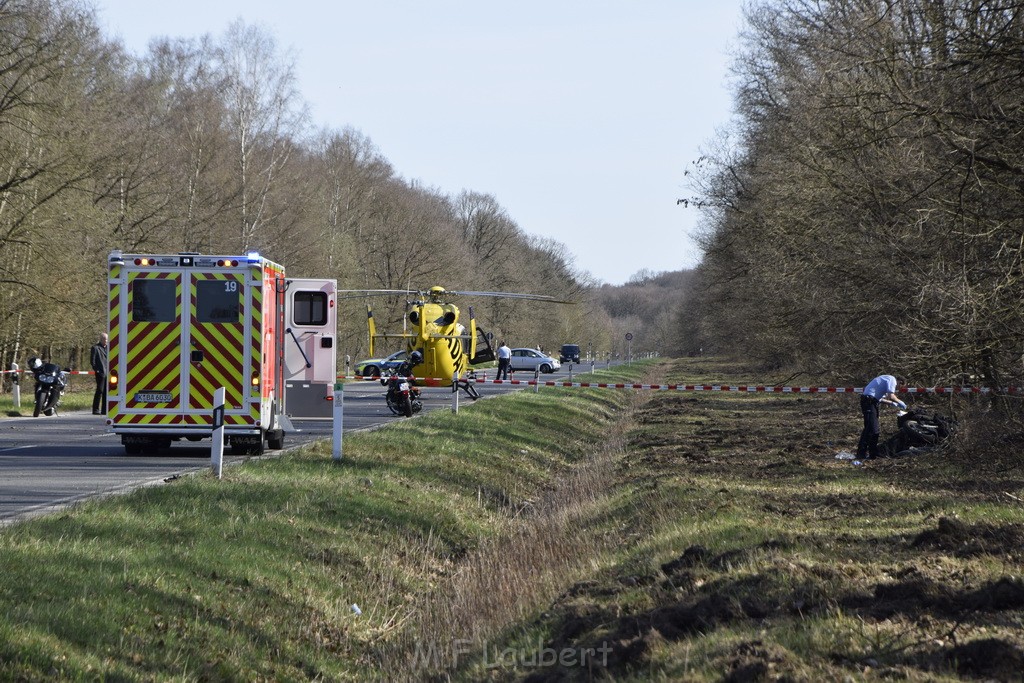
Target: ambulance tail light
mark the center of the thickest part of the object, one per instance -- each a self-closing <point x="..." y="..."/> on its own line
<point x="112" y="379"/>
<point x="143" y="261"/>
<point x="255" y="379"/>
<point x="227" y="263"/>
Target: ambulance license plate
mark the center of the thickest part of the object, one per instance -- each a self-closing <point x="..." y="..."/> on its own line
<point x="153" y="397"/>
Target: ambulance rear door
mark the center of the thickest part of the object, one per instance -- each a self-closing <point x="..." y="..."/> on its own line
<point x="183" y="336"/>
<point x="310" y="356"/>
<point x="219" y="343"/>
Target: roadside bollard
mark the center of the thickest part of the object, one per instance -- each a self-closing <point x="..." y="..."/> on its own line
<point x="455" y="393"/>
<point x="536" y="380"/>
<point x="339" y="419"/>
<point x="15" y="385"/>
<point x="217" y="449"/>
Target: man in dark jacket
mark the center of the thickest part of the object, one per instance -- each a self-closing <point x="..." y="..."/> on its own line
<point x="98" y="360"/>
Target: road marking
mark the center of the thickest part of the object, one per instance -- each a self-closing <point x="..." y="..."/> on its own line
<point x="17" y="448"/>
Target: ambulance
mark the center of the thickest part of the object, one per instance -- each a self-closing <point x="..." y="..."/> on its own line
<point x="183" y="325"/>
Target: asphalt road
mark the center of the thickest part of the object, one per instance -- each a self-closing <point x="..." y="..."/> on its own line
<point x="48" y="463"/>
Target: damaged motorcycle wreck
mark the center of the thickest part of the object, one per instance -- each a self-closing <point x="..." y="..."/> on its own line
<point x="918" y="431"/>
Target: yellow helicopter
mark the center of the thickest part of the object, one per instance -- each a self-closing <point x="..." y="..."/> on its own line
<point x="447" y="346"/>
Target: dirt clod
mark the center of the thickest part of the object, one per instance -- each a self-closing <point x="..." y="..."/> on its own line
<point x="970" y="540"/>
<point x="987" y="658"/>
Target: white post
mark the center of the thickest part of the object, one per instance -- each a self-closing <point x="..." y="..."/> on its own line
<point x="455" y="393"/>
<point x="217" y="450"/>
<point x="536" y="380"/>
<point x="15" y="385"/>
<point x="570" y="373"/>
<point x="339" y="419"/>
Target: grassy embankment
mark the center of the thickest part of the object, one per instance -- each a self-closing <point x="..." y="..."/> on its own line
<point x="562" y="534"/>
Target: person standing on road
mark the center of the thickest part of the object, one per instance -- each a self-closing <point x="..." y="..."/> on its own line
<point x="98" y="360"/>
<point x="881" y="389"/>
<point x="504" y="360"/>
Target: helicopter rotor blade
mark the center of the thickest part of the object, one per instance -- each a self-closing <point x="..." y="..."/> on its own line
<point x="360" y="293"/>
<point x="426" y="293"/>
<point x="513" y="295"/>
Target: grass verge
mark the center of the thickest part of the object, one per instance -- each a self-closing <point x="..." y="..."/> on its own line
<point x="297" y="567"/>
<point x="559" y="535"/>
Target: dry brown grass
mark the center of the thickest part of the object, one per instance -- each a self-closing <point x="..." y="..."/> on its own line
<point x="547" y="545"/>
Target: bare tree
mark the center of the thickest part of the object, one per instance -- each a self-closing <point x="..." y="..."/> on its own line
<point x="266" y="118"/>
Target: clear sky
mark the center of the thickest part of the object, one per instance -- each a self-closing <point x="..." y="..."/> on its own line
<point x="578" y="116"/>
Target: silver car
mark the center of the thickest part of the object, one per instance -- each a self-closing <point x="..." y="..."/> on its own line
<point x="532" y="359"/>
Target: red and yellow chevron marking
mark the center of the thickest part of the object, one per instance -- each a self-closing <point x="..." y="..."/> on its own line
<point x="200" y="420"/>
<point x="155" y="356"/>
<point x="154" y="352"/>
<point x="114" y="340"/>
<point x="222" y="344"/>
<point x="256" y="341"/>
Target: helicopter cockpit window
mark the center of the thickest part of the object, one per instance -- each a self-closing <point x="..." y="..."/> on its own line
<point x="153" y="301"/>
<point x="310" y="308"/>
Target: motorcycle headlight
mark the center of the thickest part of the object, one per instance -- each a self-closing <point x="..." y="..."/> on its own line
<point x="47" y="379"/>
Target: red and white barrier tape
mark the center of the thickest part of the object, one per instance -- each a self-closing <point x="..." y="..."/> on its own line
<point x="66" y="372"/>
<point x="741" y="388"/>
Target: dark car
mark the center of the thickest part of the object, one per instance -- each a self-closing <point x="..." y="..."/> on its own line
<point x="570" y="353"/>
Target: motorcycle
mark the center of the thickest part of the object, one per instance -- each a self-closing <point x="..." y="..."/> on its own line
<point x="403" y="397"/>
<point x="50" y="384"/>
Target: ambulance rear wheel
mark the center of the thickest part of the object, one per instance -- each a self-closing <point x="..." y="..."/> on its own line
<point x="275" y="439"/>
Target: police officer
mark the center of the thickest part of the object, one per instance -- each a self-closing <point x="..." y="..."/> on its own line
<point x="504" y="360"/>
<point x="881" y="389"/>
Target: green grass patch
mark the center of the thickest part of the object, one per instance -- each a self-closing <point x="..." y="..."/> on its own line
<point x="564" y="534"/>
<point x="254" y="576"/>
<point x="77" y="397"/>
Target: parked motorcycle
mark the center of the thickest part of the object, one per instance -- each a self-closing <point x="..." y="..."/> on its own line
<point x="403" y="396"/>
<point x="50" y="384"/>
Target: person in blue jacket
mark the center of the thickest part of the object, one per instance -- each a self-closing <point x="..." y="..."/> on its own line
<point x="881" y="389"/>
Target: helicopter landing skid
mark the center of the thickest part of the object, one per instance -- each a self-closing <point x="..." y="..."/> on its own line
<point x="468" y="387"/>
